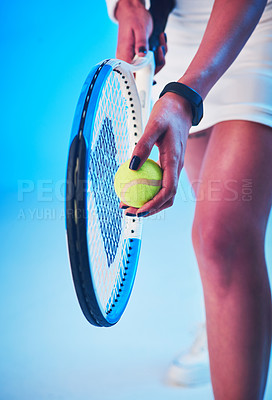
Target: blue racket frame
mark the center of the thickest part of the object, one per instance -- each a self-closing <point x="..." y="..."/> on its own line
<point x="77" y="172"/>
<point x="77" y="210"/>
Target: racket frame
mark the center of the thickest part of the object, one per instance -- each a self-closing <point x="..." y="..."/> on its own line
<point x="77" y="175"/>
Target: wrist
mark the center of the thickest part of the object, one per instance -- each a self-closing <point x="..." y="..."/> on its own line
<point x="179" y="106"/>
<point x="201" y="83"/>
<point x="190" y="95"/>
<point x="123" y="5"/>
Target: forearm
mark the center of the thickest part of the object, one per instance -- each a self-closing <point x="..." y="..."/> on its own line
<point x="230" y="25"/>
<point x="127" y="4"/>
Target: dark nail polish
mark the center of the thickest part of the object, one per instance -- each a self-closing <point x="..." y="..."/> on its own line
<point x="124" y="207"/>
<point x="134" y="163"/>
<point x="142" y="49"/>
<point x="163" y="50"/>
<point x="131" y="215"/>
<point x="165" y="36"/>
<point x="143" y="214"/>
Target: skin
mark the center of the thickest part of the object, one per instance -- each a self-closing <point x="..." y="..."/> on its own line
<point x="135" y="28"/>
<point x="228" y="238"/>
<point x="228" y="230"/>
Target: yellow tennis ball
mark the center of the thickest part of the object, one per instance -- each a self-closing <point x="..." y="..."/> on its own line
<point x="135" y="188"/>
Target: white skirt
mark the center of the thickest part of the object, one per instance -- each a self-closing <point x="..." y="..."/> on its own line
<point x="244" y="92"/>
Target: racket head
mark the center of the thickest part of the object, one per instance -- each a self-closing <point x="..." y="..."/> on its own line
<point x="103" y="243"/>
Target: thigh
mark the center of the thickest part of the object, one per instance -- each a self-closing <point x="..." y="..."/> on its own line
<point x="194" y="155"/>
<point x="236" y="177"/>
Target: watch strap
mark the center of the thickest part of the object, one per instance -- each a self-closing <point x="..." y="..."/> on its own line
<point x="190" y="95"/>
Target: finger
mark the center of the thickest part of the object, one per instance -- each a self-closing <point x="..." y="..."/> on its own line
<point x="142" y="212"/>
<point x="167" y="192"/>
<point x="145" y="145"/>
<point x="167" y="204"/>
<point x="123" y="206"/>
<point x="160" y="58"/>
<point x="161" y="52"/>
<point x="141" y="42"/>
<point x="136" y="212"/>
<point x="131" y="211"/>
<point x="163" y="41"/>
<point x="125" y="45"/>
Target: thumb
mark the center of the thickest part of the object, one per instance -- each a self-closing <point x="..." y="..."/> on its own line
<point x="142" y="149"/>
<point x="125" y="44"/>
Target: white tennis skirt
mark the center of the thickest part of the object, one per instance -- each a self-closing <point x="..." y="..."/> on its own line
<point x="244" y="92"/>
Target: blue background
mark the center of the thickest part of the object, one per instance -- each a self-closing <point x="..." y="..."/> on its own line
<point x="47" y="49"/>
<point x="47" y="349"/>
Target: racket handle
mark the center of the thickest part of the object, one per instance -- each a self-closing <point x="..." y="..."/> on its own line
<point x="144" y="80"/>
<point x="159" y="11"/>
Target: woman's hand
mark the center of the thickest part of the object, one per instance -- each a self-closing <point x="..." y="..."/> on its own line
<point x="168" y="128"/>
<point x="135" y="28"/>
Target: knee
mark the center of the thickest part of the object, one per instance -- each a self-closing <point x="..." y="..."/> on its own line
<point x="226" y="247"/>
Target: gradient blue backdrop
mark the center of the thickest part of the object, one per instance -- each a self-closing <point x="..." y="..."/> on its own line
<point x="47" y="49"/>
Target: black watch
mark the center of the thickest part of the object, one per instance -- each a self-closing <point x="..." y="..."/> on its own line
<point x="189" y="94"/>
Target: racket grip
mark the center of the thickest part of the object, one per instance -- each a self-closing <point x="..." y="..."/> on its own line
<point x="144" y="81"/>
<point x="159" y="11"/>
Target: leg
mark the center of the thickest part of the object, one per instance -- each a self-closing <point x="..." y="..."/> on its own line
<point x="228" y="237"/>
<point x="191" y="367"/>
<point x="194" y="156"/>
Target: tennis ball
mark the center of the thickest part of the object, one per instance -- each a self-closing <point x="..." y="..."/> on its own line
<point x="135" y="188"/>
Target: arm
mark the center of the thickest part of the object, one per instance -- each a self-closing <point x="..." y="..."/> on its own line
<point x="135" y="28"/>
<point x="230" y="25"/>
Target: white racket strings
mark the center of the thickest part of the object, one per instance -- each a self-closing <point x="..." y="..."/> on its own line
<point x="105" y="222"/>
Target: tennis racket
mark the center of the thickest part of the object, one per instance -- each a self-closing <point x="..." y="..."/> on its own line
<point x="103" y="243"/>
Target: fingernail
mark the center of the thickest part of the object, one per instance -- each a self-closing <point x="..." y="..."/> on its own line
<point x="142" y="49"/>
<point x="163" y="50"/>
<point x="143" y="214"/>
<point x="165" y="36"/>
<point x="124" y="207"/>
<point x="134" y="163"/>
<point x="130" y="215"/>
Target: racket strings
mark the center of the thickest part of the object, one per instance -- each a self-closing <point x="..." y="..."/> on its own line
<point x="102" y="161"/>
<point x="120" y="279"/>
<point x="107" y="245"/>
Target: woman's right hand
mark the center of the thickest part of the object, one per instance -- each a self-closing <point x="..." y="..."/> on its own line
<point x="135" y="28"/>
<point x="168" y="129"/>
